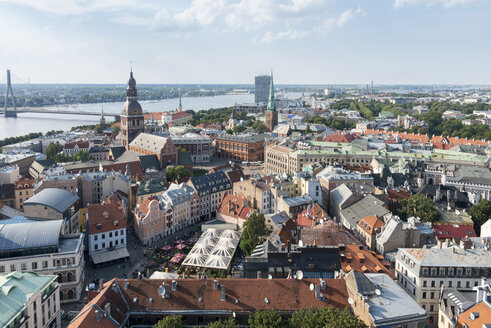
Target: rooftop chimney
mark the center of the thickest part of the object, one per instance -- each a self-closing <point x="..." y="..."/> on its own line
<point x="215" y="284"/>
<point x="317" y="292"/>
<point x="126" y="283"/>
<point x="323" y="284"/>
<point x="222" y="294"/>
<point x="174" y="285"/>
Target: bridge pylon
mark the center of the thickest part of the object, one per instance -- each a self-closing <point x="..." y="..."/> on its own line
<point x="9" y="113"/>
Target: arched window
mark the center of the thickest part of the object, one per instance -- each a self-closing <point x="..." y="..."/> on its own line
<point x="70" y="294"/>
<point x="62" y="294"/>
<point x="60" y="278"/>
<point x="69" y="277"/>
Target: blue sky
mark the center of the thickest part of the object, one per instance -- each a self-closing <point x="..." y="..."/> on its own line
<point x="230" y="41"/>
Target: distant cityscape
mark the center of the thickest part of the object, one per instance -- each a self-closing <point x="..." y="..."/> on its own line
<point x="368" y="205"/>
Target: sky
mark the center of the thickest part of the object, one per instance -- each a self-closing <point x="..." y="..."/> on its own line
<point x="231" y="41"/>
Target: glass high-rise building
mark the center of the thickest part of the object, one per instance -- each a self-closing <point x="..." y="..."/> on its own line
<point x="261" y="92"/>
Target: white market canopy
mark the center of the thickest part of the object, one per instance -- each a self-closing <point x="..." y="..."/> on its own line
<point x="214" y="249"/>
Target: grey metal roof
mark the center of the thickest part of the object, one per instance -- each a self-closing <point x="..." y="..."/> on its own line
<point x="58" y="199"/>
<point x="29" y="234"/>
<point x="211" y="183"/>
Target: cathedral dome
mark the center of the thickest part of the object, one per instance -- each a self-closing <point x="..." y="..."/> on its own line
<point x="132" y="107"/>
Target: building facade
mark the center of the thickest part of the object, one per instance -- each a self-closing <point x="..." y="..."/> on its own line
<point x="261" y="89"/>
<point x="271" y="119"/>
<point x="45" y="250"/>
<point x="198" y="146"/>
<point x="423" y="273"/>
<point x="163" y="215"/>
<point x="211" y="188"/>
<point x="162" y="147"/>
<point x="106" y="228"/>
<point x="32" y="300"/>
<point x="248" y="148"/>
<point x="24" y="189"/>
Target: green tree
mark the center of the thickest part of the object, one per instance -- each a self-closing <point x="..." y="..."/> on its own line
<point x="170" y="321"/>
<point x="53" y="149"/>
<point x="418" y="205"/>
<point x="326" y="317"/>
<point x="259" y="126"/>
<point x="99" y="129"/>
<point x="82" y="155"/>
<point x="480" y="213"/>
<point x="254" y="232"/>
<point x="176" y="172"/>
<point x="229" y="131"/>
<point x="307" y="130"/>
<point x="116" y="129"/>
<point x="239" y="128"/>
<point x="229" y="323"/>
<point x="265" y="319"/>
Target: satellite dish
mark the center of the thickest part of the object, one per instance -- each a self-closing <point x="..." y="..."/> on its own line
<point x="299" y="274"/>
<point x="270" y="277"/>
<point x="350" y="301"/>
<point x="378" y="292"/>
<point x="300" y="243"/>
<point x="311" y="287"/>
<point x="161" y="290"/>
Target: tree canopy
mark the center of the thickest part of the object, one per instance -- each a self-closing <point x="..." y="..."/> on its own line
<point x="326" y="317"/>
<point x="418" y="205"/>
<point x="176" y="172"/>
<point x="53" y="149"/>
<point x="170" y="321"/>
<point x="480" y="213"/>
<point x="265" y="319"/>
<point x="229" y="323"/>
<point x="253" y="233"/>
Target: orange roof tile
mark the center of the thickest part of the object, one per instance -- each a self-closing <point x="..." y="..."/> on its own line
<point x="370" y="224"/>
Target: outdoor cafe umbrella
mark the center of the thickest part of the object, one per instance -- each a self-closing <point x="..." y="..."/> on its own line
<point x="177" y="258"/>
<point x="166" y="248"/>
<point x="181" y="247"/>
<point x="180" y="241"/>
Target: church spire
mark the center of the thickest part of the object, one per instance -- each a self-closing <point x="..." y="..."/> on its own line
<point x="271" y="102"/>
<point x="131" y="93"/>
<point x="179" y="109"/>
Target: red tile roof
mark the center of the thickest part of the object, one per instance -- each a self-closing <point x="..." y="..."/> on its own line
<point x="341" y="137"/>
<point x="106" y="217"/>
<point x="330" y="233"/>
<point x="370" y="223"/>
<point x="306" y="219"/>
<point x="81" y="144"/>
<point x="451" y="231"/>
<point x="484" y="317"/>
<point x="235" y="206"/>
<point x="357" y="258"/>
<point x="141" y="297"/>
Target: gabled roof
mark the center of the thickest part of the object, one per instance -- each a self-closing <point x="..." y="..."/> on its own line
<point x="117" y="151"/>
<point x="370" y="224"/>
<point x="451" y="231"/>
<point x="106" y="217"/>
<point x="149" y="162"/>
<point x="141" y="297"/>
<point x="358" y="258"/>
<point x="58" y="199"/>
<point x="211" y="183"/>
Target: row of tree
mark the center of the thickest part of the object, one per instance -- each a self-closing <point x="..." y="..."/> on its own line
<point x="326" y="317"/>
<point x="54" y="151"/>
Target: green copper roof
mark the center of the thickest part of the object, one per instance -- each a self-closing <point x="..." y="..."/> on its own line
<point x="180" y="105"/>
<point x="15" y="289"/>
<point x="271" y="102"/>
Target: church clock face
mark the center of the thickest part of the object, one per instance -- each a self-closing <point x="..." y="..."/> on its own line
<point x="135" y="111"/>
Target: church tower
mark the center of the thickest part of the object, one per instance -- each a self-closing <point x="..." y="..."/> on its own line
<point x="271" y="113"/>
<point x="179" y="109"/>
<point x="132" y="122"/>
<point x="102" y="120"/>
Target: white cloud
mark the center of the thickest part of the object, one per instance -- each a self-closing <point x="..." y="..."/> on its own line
<point x="331" y="23"/>
<point x="199" y="14"/>
<point x="446" y="3"/>
<point x="270" y="37"/>
<point x="75" y="7"/>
